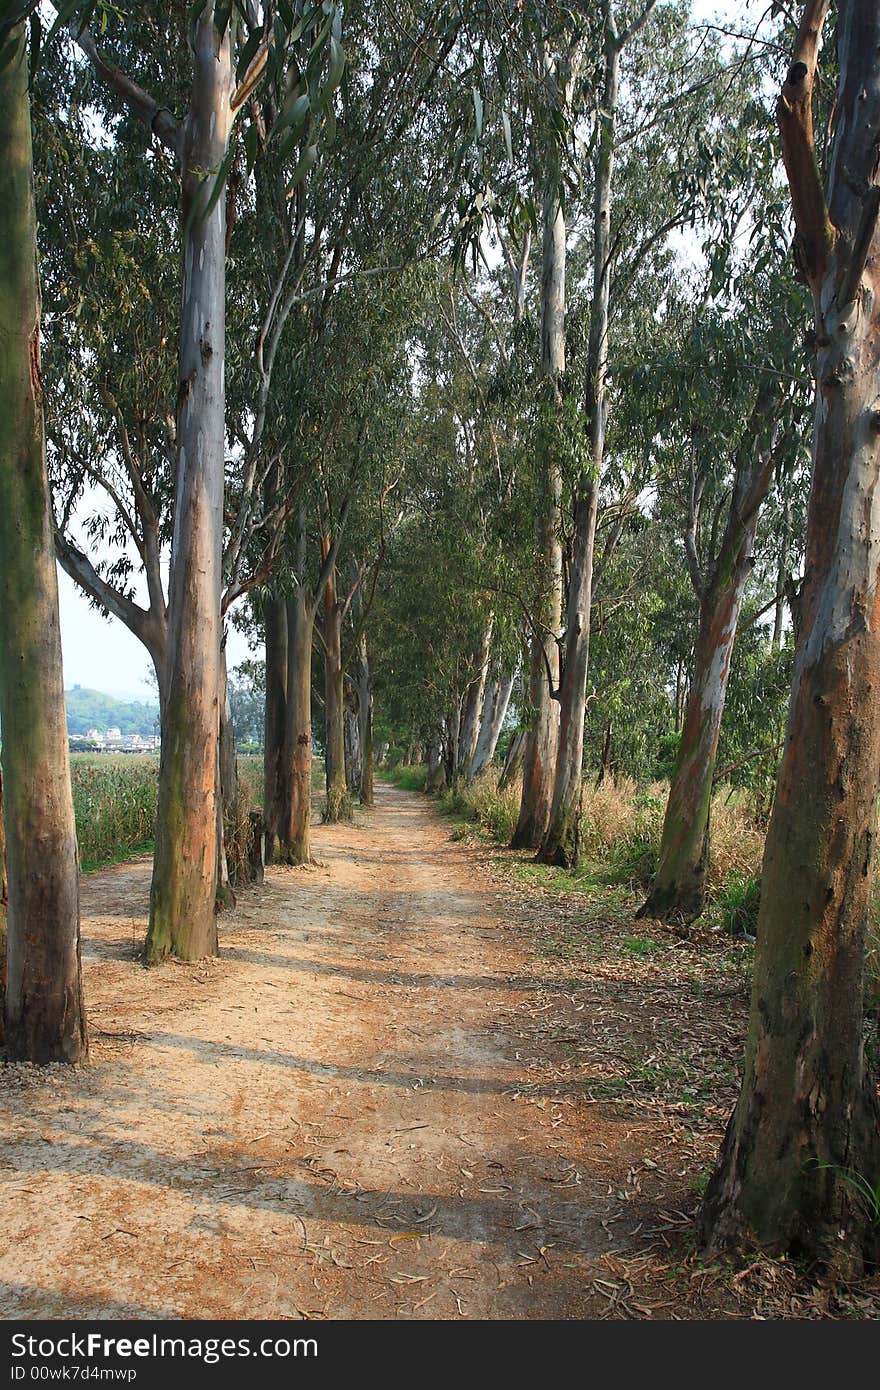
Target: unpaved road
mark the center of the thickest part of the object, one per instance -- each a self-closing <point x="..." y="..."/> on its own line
<point x="333" y="1120"/>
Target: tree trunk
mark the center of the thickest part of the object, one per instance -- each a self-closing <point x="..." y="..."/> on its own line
<point x="473" y="708"/>
<point x="679" y="888"/>
<point x="182" y="899"/>
<point x="802" y="1149"/>
<point x="495" y="705"/>
<point x="232" y="868"/>
<point x="338" y="803"/>
<point x="513" y="761"/>
<point x="561" y="841"/>
<point x="3" y="902"/>
<point x="45" y="1018"/>
<point x="351" y="739"/>
<point x="450" y="747"/>
<point x="781" y="579"/>
<point x="365" y="716"/>
<point x="542" y="739"/>
<point x="436" y="779"/>
<point x="275" y="724"/>
<point x="295" y="832"/>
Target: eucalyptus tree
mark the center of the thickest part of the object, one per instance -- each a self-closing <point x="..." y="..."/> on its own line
<point x="717" y="455"/>
<point x="233" y="49"/>
<point x="559" y="52"/>
<point x="802" y="1151"/>
<point x="44" y="1013"/>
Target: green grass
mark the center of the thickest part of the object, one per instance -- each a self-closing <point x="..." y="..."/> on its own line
<point x="409" y="779"/>
<point x="735" y="905"/>
<point x="640" y="945"/>
<point x="114" y="803"/>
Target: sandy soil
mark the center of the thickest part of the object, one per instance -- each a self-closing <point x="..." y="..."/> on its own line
<point x="336" y="1119"/>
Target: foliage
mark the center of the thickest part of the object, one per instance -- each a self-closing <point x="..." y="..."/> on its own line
<point x="91" y="709"/>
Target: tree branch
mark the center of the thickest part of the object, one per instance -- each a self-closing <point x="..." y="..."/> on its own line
<point x="794" y="116"/>
<point x="158" y="119"/>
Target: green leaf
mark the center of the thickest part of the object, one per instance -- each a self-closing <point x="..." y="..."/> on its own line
<point x="478" y="112"/>
<point x="247" y="54"/>
<point x="295" y="117"/>
<point x="336" y="69"/>
<point x="220" y="180"/>
<point x="307" y="161"/>
<point x="508" y="143"/>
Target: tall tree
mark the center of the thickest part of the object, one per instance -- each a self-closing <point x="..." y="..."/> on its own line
<point x="803" y="1144"/>
<point x="45" y="1018"/>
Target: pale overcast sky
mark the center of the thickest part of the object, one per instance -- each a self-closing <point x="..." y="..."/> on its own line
<point x="101" y="653"/>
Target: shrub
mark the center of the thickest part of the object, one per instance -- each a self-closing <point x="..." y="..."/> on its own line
<point x="736" y="904"/>
<point x="409" y="779"/>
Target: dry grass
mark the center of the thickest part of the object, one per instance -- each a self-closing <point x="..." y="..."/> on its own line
<point x="622" y="823"/>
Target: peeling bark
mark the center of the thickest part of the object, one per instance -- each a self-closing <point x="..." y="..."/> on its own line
<point x="45" y="1017"/>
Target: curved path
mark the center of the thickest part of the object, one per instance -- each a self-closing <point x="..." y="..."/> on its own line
<point x="334" y="1119"/>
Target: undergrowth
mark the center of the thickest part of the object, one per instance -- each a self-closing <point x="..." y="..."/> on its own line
<point x="621" y="824"/>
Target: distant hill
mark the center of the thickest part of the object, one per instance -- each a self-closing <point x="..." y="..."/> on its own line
<point x="90" y="709"/>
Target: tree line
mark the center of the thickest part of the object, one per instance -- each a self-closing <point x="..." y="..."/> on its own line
<point x="488" y="352"/>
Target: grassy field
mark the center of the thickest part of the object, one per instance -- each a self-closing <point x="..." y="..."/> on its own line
<point x="114" y="801"/>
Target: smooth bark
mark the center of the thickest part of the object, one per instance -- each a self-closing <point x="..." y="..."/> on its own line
<point x="495" y="705"/>
<point x="561" y="841"/>
<point x="45" y="1017"/>
<point x="182" y="898"/>
<point x="679" y="887"/>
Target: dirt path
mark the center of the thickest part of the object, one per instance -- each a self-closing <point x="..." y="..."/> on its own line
<point x="332" y="1120"/>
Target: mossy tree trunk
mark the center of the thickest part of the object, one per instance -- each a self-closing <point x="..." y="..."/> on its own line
<point x="806" y="1128"/>
<point x="182" y="899"/>
<point x="45" y="1017"/>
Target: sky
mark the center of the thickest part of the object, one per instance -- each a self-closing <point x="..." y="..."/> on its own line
<point x="101" y="654"/>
